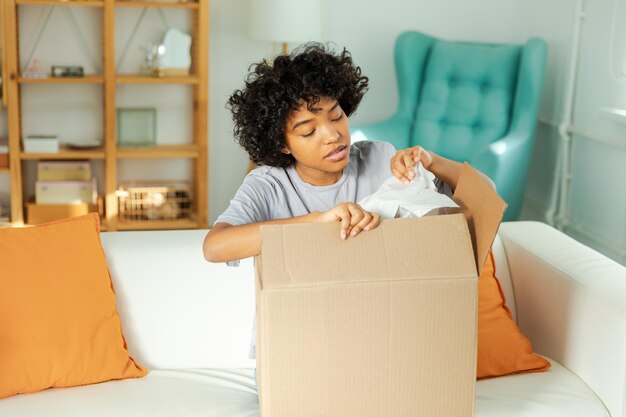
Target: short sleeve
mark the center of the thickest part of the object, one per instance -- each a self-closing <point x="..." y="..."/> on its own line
<point x="250" y="203"/>
<point x="385" y="148"/>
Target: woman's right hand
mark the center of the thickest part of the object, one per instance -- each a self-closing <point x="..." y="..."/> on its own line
<point x="352" y="217"/>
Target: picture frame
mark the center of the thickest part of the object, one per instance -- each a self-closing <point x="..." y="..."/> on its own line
<point x="136" y="126"/>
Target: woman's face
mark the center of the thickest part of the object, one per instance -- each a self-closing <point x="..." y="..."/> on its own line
<point x="319" y="141"/>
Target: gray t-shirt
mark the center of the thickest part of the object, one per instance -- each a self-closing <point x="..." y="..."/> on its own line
<point x="270" y="193"/>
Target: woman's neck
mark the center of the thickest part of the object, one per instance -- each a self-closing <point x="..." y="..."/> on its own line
<point x="316" y="177"/>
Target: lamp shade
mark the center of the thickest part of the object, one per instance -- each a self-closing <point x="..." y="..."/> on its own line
<point x="285" y="20"/>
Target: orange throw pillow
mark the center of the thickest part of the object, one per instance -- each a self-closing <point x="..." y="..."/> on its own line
<point x="502" y="348"/>
<point x="59" y="326"/>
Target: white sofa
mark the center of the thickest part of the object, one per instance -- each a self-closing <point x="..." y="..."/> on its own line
<point x="190" y="323"/>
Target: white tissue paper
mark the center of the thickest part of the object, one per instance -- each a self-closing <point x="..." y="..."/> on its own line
<point x="395" y="199"/>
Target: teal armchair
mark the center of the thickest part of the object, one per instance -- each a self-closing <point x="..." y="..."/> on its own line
<point x="469" y="102"/>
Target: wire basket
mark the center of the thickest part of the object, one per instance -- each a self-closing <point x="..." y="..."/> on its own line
<point x="147" y="200"/>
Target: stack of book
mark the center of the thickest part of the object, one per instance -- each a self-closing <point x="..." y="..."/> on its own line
<point x="63" y="189"/>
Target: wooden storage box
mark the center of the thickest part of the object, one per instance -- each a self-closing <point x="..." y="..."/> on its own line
<point x="44" y="213"/>
<point x="4" y="160"/>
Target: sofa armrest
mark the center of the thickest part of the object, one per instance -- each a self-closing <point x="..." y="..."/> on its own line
<point x="571" y="303"/>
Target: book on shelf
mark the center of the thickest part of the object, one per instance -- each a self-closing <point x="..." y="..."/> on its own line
<point x="41" y="144"/>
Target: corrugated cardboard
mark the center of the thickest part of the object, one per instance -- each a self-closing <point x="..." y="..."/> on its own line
<point x="381" y="325"/>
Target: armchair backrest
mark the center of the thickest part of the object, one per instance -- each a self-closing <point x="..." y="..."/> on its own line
<point x="466" y="97"/>
<point x="471" y="102"/>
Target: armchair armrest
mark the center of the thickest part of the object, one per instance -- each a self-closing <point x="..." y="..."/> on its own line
<point x="506" y="161"/>
<point x="504" y="152"/>
<point x="571" y="303"/>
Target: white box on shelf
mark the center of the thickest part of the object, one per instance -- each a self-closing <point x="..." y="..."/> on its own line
<point x="65" y="192"/>
<point x="41" y="144"/>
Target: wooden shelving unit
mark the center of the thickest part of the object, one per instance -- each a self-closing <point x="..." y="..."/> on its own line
<point x="80" y="3"/>
<point x="163" y="151"/>
<point x="141" y="79"/>
<point x="65" y="153"/>
<point x="87" y="79"/>
<point x="110" y="153"/>
<point x="164" y="4"/>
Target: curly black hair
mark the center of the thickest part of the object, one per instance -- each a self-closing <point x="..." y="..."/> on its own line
<point x="273" y="89"/>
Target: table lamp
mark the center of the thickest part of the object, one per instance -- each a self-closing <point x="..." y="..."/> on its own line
<point x="285" y="21"/>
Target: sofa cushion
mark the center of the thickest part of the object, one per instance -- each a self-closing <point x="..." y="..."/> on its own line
<point x="191" y="313"/>
<point x="232" y="393"/>
<point x="555" y="393"/>
<point x="59" y="324"/>
<point x="502" y="348"/>
<point x="162" y="393"/>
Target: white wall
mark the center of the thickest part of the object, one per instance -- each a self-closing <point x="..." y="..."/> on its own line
<point x="231" y="53"/>
<point x="597" y="210"/>
<point x="369" y="32"/>
<point x="596" y="207"/>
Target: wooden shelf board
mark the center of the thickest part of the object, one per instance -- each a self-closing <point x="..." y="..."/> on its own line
<point x="170" y="4"/>
<point x="161" y="151"/>
<point x="143" y="79"/>
<point x="4" y="169"/>
<point x="157" y="224"/>
<point x="66" y="153"/>
<point x="88" y="3"/>
<point x="87" y="79"/>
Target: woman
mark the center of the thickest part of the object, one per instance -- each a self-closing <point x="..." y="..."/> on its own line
<point x="292" y="119"/>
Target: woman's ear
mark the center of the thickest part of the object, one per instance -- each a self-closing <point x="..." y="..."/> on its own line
<point x="286" y="151"/>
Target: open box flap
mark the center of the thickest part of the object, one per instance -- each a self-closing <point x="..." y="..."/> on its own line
<point x="483" y="208"/>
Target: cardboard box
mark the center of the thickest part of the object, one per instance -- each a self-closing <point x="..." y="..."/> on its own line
<point x="44" y="213"/>
<point x="381" y="325"/>
<point x="63" y="171"/>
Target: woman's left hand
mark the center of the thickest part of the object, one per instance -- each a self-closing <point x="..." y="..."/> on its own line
<point x="404" y="162"/>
